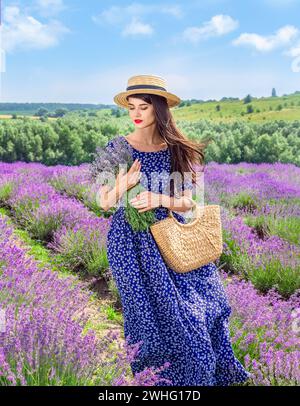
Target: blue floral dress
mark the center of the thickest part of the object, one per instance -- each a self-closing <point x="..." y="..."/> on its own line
<point x="179" y="318"/>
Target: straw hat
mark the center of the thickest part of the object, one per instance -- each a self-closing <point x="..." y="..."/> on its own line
<point x="146" y="84"/>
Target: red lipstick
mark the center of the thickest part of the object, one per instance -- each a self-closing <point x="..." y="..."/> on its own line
<point x="138" y="121"/>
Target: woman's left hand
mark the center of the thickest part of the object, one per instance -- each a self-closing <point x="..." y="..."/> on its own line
<point x="145" y="201"/>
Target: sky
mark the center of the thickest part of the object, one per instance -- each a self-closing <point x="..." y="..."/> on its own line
<point x="73" y="51"/>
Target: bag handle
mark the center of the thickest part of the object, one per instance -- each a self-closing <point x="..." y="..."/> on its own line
<point x="196" y="209"/>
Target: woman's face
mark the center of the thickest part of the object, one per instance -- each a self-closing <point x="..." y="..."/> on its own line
<point x="141" y="111"/>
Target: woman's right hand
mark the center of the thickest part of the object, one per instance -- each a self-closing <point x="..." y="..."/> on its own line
<point x="126" y="180"/>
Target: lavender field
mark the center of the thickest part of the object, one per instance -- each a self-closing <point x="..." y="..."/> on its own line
<point x="48" y="335"/>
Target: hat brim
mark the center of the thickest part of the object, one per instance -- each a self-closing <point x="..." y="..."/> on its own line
<point x="172" y="99"/>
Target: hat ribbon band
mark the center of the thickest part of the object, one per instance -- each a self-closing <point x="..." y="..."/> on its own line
<point x="145" y="87"/>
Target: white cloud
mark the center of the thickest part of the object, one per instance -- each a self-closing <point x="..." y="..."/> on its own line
<point x="282" y="37"/>
<point x="136" y="27"/>
<point x="11" y="13"/>
<point x="294" y="52"/>
<point x="26" y="32"/>
<point x="113" y="15"/>
<point x="117" y="14"/>
<point x="50" y="3"/>
<point x="217" y="26"/>
<point x="175" y="10"/>
<point x="295" y="65"/>
<point x="50" y="7"/>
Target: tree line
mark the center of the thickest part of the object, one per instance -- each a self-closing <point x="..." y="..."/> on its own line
<point x="72" y="139"/>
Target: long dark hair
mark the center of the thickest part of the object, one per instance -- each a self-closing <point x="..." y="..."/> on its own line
<point x="185" y="153"/>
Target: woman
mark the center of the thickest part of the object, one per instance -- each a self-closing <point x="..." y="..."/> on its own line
<point x="178" y="318"/>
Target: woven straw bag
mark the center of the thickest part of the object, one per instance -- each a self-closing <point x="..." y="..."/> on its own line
<point x="185" y="247"/>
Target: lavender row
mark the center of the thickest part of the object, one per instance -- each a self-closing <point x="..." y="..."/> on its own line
<point x="42" y="328"/>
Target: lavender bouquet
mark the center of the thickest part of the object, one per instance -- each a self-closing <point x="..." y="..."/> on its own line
<point x="105" y="168"/>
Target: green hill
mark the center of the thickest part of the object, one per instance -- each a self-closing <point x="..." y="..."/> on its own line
<point x="286" y="107"/>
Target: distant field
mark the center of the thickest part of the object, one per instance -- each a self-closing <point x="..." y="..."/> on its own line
<point x="19" y="113"/>
<point x="5" y="116"/>
<point x="9" y="116"/>
<point x="232" y="110"/>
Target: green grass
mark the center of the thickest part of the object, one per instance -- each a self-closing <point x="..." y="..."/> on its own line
<point x="36" y="249"/>
<point x="287" y="228"/>
<point x="46" y="260"/>
<point x="112" y="314"/>
<point x="231" y="110"/>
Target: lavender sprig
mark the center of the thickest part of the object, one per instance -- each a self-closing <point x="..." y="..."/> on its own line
<point x="107" y="161"/>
